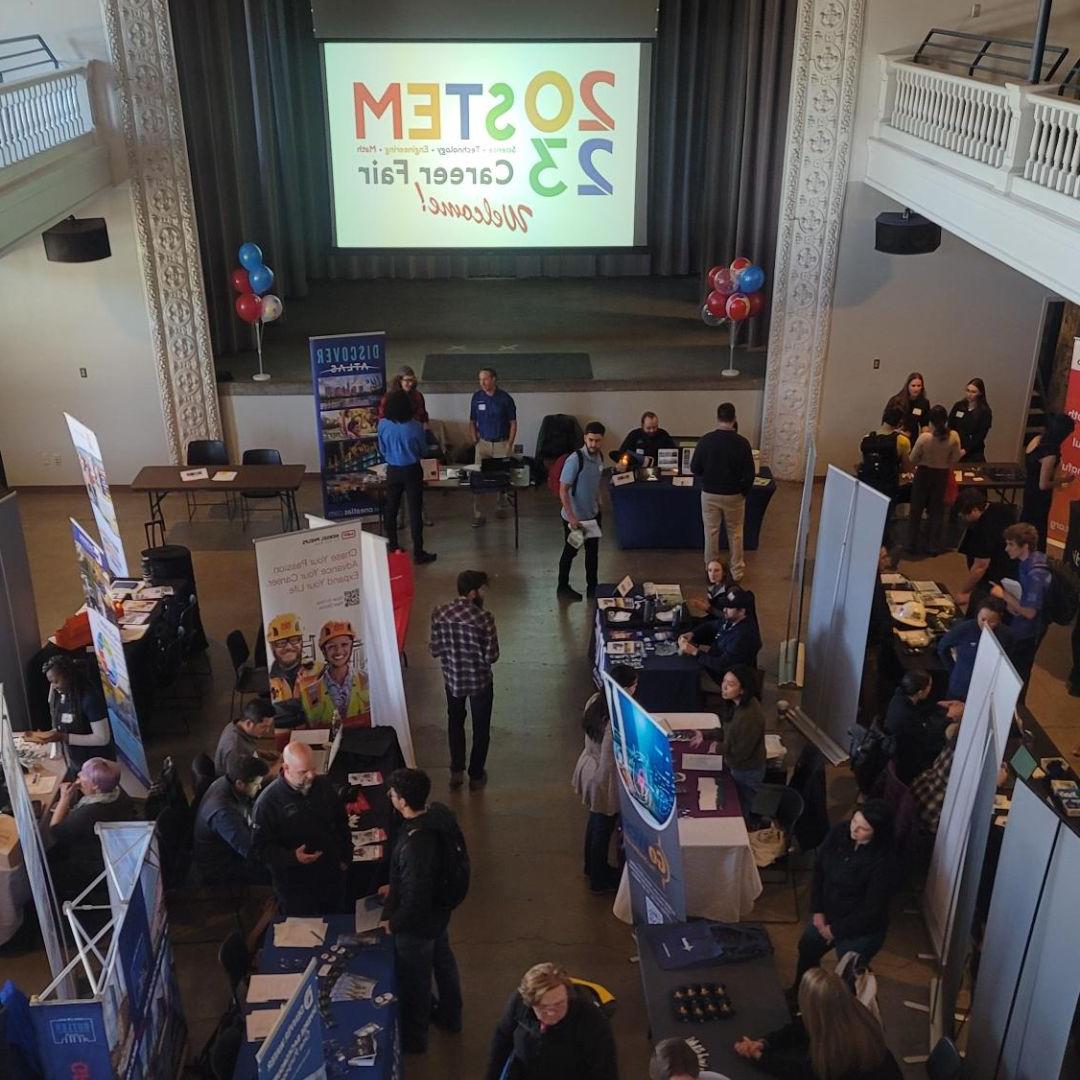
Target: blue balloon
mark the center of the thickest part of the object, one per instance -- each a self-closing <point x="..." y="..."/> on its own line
<point x="750" y="279"/>
<point x="250" y="256"/>
<point x="260" y="278"/>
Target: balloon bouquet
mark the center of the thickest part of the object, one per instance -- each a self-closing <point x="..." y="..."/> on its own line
<point x="736" y="296"/>
<point x="256" y="305"/>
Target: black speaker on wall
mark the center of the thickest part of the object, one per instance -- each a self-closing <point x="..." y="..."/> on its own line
<point x="76" y="240"/>
<point x="906" y="234"/>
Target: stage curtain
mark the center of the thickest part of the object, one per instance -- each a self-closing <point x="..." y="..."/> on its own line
<point x="252" y="99"/>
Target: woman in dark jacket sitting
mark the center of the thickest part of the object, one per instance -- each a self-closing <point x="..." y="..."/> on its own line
<point x="916" y="724"/>
<point x="835" y="1038"/>
<point x="550" y="1032"/>
<point x="853" y="881"/>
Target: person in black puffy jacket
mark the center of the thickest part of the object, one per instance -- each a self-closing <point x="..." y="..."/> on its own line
<point x="549" y="1031"/>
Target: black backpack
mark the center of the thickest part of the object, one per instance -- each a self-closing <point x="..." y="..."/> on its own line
<point x="880" y="465"/>
<point x="455" y="869"/>
<point x="1063" y="596"/>
<point x="870" y="750"/>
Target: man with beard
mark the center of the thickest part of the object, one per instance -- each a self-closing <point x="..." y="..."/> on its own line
<point x="221" y="847"/>
<point x="302" y="834"/>
<point x="339" y="695"/>
<point x="288" y="673"/>
<point x="465" y="642"/>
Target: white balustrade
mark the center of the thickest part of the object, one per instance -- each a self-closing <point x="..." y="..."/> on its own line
<point x="1053" y="156"/>
<point x="971" y="118"/>
<point x="42" y="112"/>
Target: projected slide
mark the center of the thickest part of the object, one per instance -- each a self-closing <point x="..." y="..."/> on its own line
<point x="493" y="145"/>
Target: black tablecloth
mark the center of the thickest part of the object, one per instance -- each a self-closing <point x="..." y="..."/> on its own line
<point x="655" y="514"/>
<point x="753" y="986"/>
<point x="665" y="683"/>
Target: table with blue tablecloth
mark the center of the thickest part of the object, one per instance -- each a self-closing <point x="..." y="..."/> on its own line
<point x="656" y="514"/>
<point x="342" y="1019"/>
<point x="665" y="683"/>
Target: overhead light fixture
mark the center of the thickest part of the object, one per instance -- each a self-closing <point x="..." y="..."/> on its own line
<point x="76" y="240"/>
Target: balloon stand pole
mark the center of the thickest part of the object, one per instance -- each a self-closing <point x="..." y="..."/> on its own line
<point x="731" y="371"/>
<point x="260" y="375"/>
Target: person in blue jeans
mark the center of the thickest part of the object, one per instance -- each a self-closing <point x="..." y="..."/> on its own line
<point x="579" y="494"/>
<point x="854" y="878"/>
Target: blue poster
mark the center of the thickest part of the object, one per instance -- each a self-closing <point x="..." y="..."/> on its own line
<point x="71" y="1039"/>
<point x="294" y="1048"/>
<point x="647" y="802"/>
<point x="348" y="375"/>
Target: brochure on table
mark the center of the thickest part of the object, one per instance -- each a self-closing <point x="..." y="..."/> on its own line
<point x="348" y="373"/>
<point x="647" y="801"/>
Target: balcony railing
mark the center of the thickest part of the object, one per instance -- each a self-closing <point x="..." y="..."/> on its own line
<point x="42" y="112"/>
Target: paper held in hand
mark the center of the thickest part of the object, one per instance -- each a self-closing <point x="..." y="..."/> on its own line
<point x="589" y="529"/>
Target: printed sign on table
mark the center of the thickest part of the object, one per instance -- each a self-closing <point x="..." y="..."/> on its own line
<point x="1058" y="526"/>
<point x="309" y="586"/>
<point x="294" y="1048"/>
<point x="97" y="487"/>
<point x="647" y="802"/>
<point x="348" y="372"/>
<point x="112" y="665"/>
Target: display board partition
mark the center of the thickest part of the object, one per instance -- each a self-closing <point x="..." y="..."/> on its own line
<point x="19" y="639"/>
<point x="791" y="648"/>
<point x="850" y="531"/>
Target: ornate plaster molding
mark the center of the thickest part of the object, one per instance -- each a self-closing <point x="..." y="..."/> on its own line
<point x="821" y="112"/>
<point x="141" y="47"/>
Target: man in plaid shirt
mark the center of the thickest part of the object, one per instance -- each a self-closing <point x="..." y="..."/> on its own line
<point x="464" y="641"/>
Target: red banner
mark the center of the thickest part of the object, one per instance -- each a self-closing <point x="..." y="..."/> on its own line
<point x="1058" y="528"/>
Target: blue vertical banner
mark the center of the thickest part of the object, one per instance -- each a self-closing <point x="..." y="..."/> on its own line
<point x="348" y="375"/>
<point x="72" y="1039"/>
<point x="294" y="1048"/>
<point x="112" y="665"/>
<point x="647" y="802"/>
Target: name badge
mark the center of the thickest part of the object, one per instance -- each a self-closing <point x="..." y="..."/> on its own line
<point x="959" y="413"/>
<point x="481" y="406"/>
<point x="67" y="718"/>
<point x="914" y="412"/>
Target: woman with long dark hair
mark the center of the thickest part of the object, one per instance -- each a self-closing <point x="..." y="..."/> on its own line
<point x="935" y="452"/>
<point x="971" y="418"/>
<point x="1042" y="458"/>
<point x="402" y="445"/>
<point x="743" y="742"/>
<point x="913" y="403"/>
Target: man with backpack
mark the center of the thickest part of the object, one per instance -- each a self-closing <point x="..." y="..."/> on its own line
<point x="579" y="493"/>
<point x="886" y="453"/>
<point x="1028" y="610"/>
<point x="429" y="877"/>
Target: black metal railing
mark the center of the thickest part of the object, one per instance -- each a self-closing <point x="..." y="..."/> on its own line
<point x="19" y="55"/>
<point x="978" y="54"/>
<point x="1071" y="83"/>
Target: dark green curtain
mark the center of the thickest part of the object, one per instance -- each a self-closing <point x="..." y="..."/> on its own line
<point x="252" y="99"/>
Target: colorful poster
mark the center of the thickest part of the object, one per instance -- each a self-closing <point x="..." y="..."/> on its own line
<point x="1058" y="527"/>
<point x="97" y="487"/>
<point x="112" y="665"/>
<point x="348" y="373"/>
<point x="310" y="589"/>
<point x="294" y="1048"/>
<point x="647" y="802"/>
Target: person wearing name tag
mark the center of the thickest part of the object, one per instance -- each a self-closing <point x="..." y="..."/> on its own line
<point x="971" y="418"/>
<point x="914" y="404"/>
<point x="579" y="493"/>
<point x="493" y="423"/>
<point x="80" y="717"/>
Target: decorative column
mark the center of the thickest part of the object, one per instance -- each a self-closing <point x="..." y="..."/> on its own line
<point x="824" y="79"/>
<point x="141" y="47"/>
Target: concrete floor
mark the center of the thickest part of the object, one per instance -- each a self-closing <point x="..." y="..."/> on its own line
<point x="529" y="901"/>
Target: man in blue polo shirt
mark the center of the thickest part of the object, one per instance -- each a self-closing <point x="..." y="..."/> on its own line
<point x="493" y="423"/>
<point x="579" y="493"/>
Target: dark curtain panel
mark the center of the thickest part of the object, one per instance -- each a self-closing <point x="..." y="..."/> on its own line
<point x="252" y="98"/>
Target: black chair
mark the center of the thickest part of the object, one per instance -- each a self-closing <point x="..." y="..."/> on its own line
<point x="236" y="960"/>
<point x="784" y="805"/>
<point x="196" y="648"/>
<point x="249" y="680"/>
<point x="261" y="457"/>
<point x="207" y="452"/>
<point x="945" y="1062"/>
<point x="203" y="774"/>
<point x="225" y="1051"/>
<point x="174" y="845"/>
<point x="168" y="669"/>
<point x="258" y="656"/>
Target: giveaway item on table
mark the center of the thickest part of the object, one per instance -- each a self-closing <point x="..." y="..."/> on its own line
<point x="263" y="988"/>
<point x="625" y="648"/>
<point x="299" y="933"/>
<point x="703" y="762"/>
<point x="368" y="836"/>
<point x="352" y="987"/>
<point x="913" y="639"/>
<point x="371" y="853"/>
<point x="699" y="1002"/>
<point x="368" y="914"/>
<point x="708" y="793"/>
<point x="366" y="779"/>
<point x="911" y="614"/>
<point x="683" y="945"/>
<point x="620" y="603"/>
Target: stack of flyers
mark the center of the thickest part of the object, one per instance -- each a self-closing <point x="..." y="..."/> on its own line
<point x="368" y="836"/>
<point x="1068" y="795"/>
<point x="352" y="987"/>
<point x="371" y="853"/>
<point x="365" y="779"/>
<point x="364" y="1053"/>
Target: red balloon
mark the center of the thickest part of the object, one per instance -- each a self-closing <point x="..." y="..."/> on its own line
<point x="716" y="303"/>
<point x="757" y="304"/>
<point x="722" y="281"/>
<point x="738" y="307"/>
<point x="239" y="280"/>
<point x="712" y="270"/>
<point x="741" y="263"/>
<point x="249" y="307"/>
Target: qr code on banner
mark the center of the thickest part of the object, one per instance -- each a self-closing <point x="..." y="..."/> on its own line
<point x="352" y="597"/>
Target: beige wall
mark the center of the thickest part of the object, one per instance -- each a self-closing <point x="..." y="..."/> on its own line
<point x="58" y="317"/>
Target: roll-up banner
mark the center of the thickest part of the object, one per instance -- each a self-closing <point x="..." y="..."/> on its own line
<point x="348" y="373"/>
<point x="647" y="801"/>
<point x="1058" y="526"/>
<point x="97" y="487"/>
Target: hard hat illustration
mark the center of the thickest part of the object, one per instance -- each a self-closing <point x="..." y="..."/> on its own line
<point x="335" y="628"/>
<point x="283" y="626"/>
